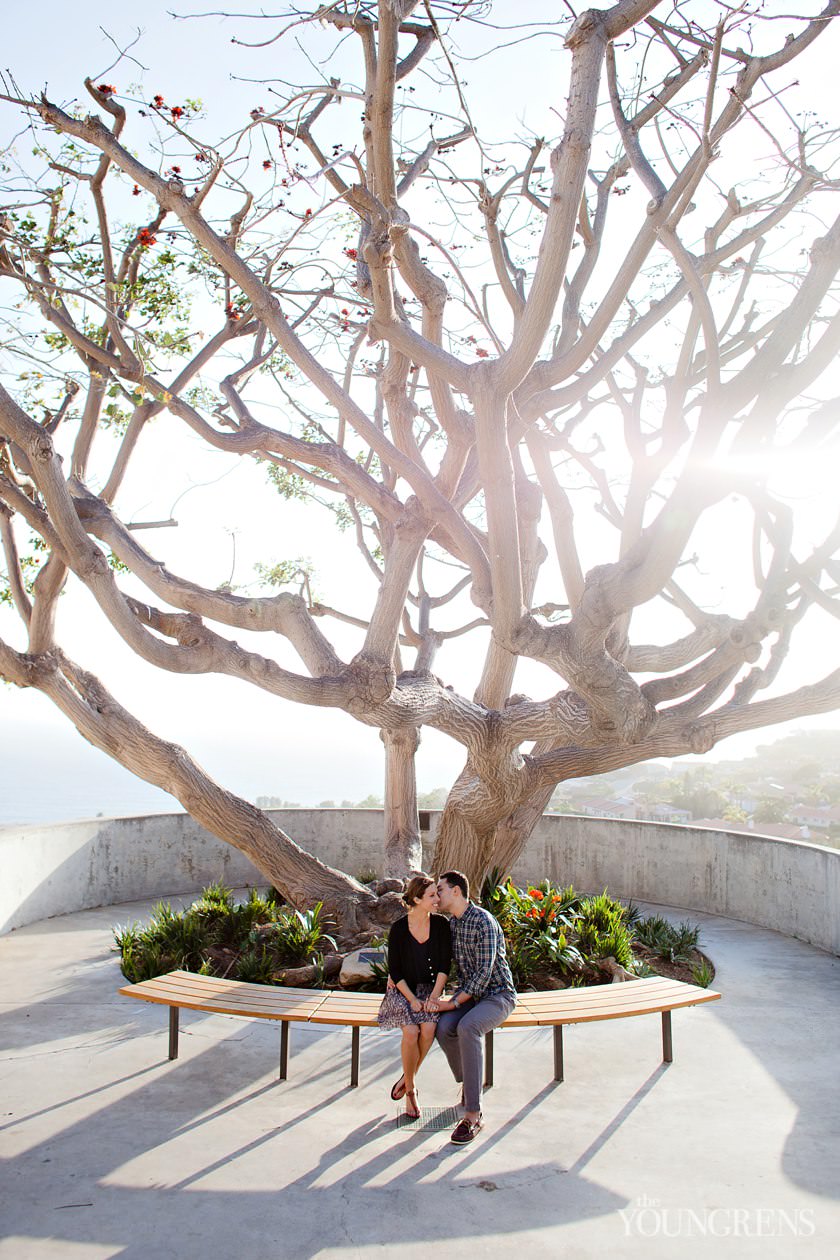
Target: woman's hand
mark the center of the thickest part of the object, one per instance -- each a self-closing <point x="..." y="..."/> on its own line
<point x="416" y="1005"/>
<point x="432" y="1005"/>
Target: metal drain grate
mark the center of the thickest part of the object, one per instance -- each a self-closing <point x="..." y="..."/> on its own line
<point x="431" y="1118"/>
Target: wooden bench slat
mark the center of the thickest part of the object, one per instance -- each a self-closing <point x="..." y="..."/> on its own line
<point x="597" y="1013"/>
<point x="151" y="991"/>
<point x="226" y="997"/>
<point x="649" y="984"/>
<point x="615" y="1001"/>
<point x="216" y="984"/>
<point x="346" y="1008"/>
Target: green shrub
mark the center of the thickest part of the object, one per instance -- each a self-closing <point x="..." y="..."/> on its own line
<point x="654" y="932"/>
<point x="702" y="973"/>
<point x="602" y="931"/>
<point x="673" y="943"/>
<point x="298" y="934"/>
<point x="536" y="923"/>
<point x="183" y="939"/>
<point x="255" y="966"/>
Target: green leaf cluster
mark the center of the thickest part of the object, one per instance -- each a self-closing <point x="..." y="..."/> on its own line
<point x="250" y="940"/>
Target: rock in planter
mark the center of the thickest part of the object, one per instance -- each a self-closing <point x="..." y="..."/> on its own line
<point x="293" y="977"/>
<point x="382" y="886"/>
<point x="357" y="969"/>
<point x="619" y="974"/>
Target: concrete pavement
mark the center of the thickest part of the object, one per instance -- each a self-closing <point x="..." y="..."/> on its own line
<point x="111" y="1151"/>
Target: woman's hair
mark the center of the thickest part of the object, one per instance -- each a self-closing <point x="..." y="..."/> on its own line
<point x="416" y="888"/>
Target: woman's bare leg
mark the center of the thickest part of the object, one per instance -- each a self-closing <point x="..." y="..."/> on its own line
<point x="410" y="1053"/>
<point x="427" y="1036"/>
<point x="410" y="1049"/>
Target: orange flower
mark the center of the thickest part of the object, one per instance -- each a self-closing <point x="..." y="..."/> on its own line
<point x="536" y="893"/>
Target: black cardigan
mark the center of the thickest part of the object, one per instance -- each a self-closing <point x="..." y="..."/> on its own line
<point x="402" y="961"/>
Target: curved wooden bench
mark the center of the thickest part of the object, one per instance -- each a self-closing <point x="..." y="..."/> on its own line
<point x="184" y="990"/>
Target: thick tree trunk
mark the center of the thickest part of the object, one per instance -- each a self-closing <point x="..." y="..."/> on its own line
<point x="513" y="832"/>
<point x="461" y="846"/>
<point x="403" y="849"/>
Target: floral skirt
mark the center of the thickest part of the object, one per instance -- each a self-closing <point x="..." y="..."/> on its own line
<point x="395" y="1011"/>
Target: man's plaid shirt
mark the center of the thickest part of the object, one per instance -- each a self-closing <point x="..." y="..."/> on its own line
<point x="478" y="947"/>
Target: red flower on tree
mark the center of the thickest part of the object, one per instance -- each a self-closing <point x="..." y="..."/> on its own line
<point x="145" y="237"/>
<point x="306" y="214"/>
<point x="158" y="101"/>
<point x="232" y="312"/>
<point x="482" y="353"/>
<point x="351" y="253"/>
<point x="177" y="112"/>
<point x="267" y="164"/>
<point x="107" y="89"/>
<point x="135" y="192"/>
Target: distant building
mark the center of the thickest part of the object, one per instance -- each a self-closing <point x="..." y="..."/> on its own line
<point x="663" y="811"/>
<point x="605" y="807"/>
<point x="821" y="816"/>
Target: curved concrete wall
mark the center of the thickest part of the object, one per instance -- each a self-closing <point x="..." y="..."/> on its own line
<point x="785" y="885"/>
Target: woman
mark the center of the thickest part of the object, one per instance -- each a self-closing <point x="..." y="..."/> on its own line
<point x="419" y="957"/>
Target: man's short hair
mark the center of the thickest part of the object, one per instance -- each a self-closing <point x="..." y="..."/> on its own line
<point x="457" y="879"/>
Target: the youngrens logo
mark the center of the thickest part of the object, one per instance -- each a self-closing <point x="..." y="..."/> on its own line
<point x="650" y="1219"/>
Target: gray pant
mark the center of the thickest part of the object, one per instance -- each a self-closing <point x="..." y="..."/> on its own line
<point x="461" y="1037"/>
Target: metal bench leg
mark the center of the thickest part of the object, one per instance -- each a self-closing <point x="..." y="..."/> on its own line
<point x="284" y="1048"/>
<point x="354" y="1058"/>
<point x="174" y="1012"/>
<point x="667" y="1043"/>
<point x="488" y="1060"/>
<point x="558" y="1052"/>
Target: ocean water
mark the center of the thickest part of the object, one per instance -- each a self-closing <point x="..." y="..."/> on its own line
<point x="51" y="774"/>
<point x="41" y="787"/>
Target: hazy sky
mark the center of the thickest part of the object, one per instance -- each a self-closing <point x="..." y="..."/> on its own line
<point x="252" y="742"/>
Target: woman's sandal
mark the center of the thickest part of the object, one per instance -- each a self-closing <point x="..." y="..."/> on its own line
<point x="411" y="1094"/>
<point x="398" y="1089"/>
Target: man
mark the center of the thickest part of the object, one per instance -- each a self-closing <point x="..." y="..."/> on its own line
<point x="484" y="998"/>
